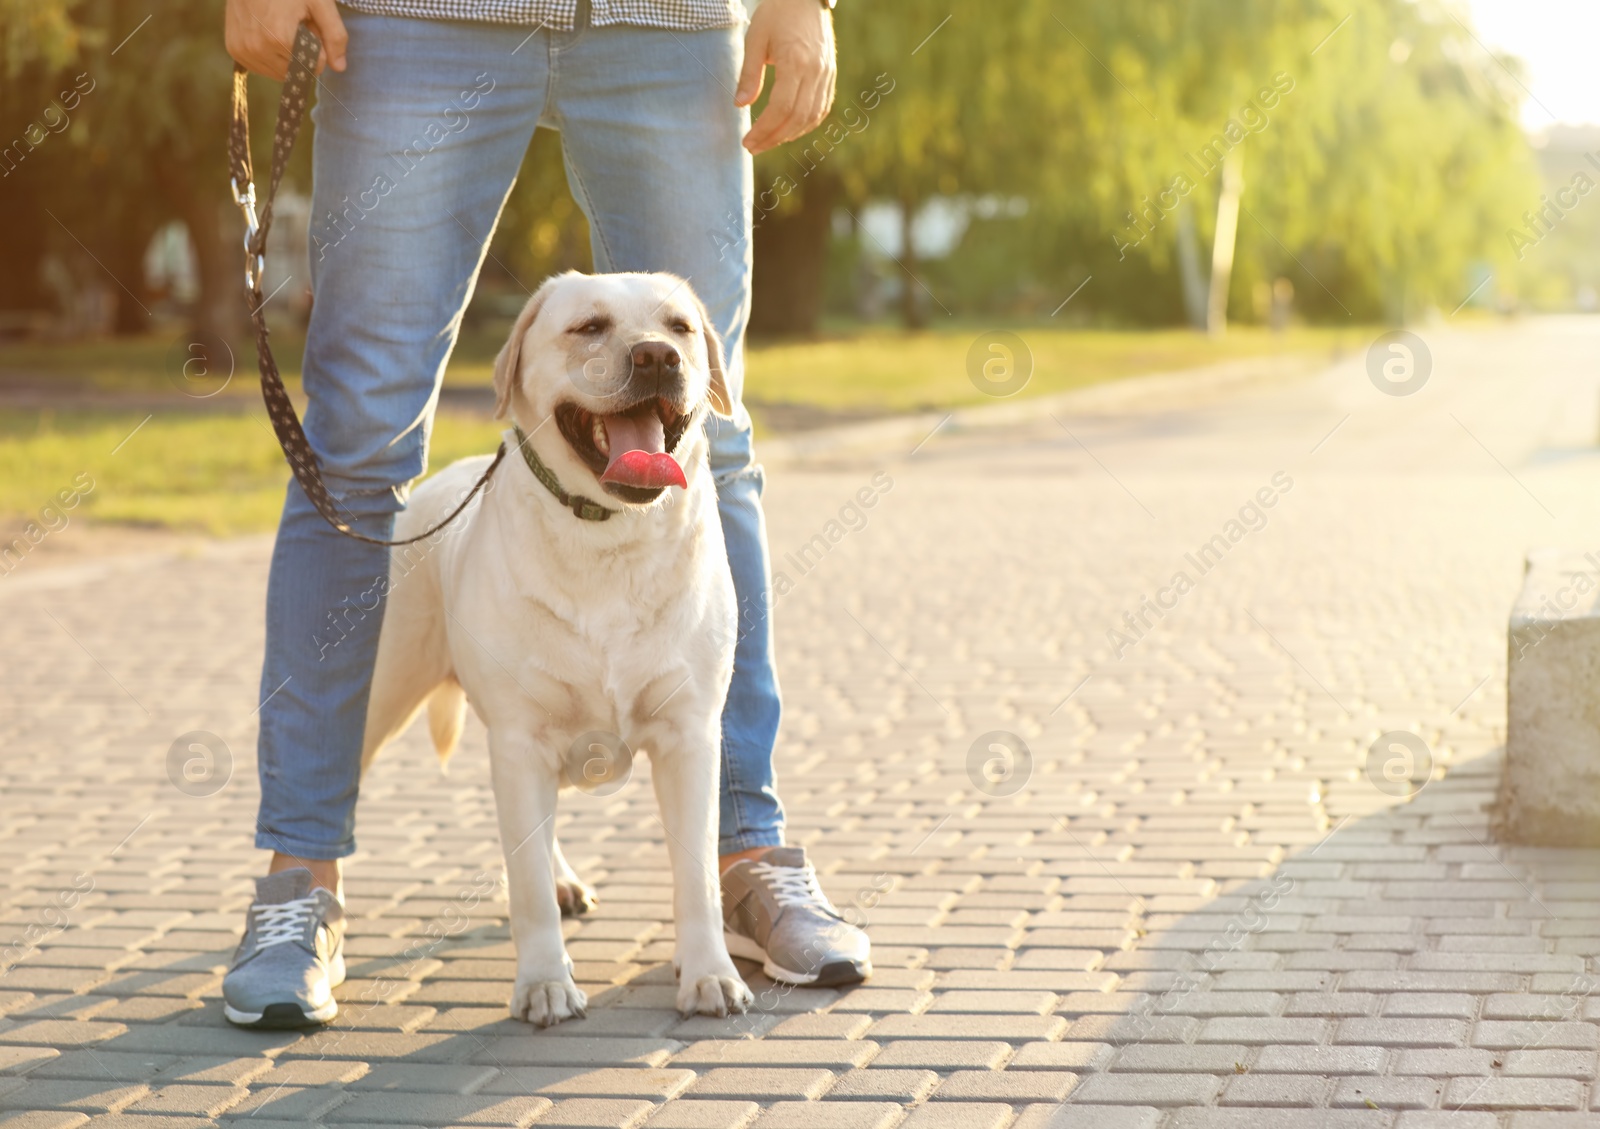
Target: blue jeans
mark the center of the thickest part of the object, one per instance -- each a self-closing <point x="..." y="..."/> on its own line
<point x="417" y="145"/>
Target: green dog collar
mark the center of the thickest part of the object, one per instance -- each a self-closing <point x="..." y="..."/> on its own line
<point x="585" y="508"/>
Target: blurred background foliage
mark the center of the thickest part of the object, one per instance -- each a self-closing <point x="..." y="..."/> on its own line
<point x="985" y="165"/>
<point x="981" y="160"/>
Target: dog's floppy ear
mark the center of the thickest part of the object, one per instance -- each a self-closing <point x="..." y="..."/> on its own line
<point x="717" y="362"/>
<point x="507" y="363"/>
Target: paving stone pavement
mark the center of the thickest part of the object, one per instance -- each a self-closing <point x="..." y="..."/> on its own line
<point x="1194" y="901"/>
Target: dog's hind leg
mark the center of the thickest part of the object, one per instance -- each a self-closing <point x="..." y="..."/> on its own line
<point x="413" y="659"/>
<point x="447" y="715"/>
<point x="573" y="895"/>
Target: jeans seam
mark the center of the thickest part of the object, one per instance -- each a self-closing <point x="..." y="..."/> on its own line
<point x="552" y="52"/>
<point x="728" y="771"/>
<point x="743" y="833"/>
<point x="587" y="202"/>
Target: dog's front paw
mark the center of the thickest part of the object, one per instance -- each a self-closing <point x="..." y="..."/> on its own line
<point x="545" y="1002"/>
<point x="575" y="897"/>
<point x="713" y="995"/>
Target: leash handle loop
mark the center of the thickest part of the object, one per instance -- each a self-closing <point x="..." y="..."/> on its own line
<point x="285" y="422"/>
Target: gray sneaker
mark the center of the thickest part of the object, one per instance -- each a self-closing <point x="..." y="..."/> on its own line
<point x="290" y="958"/>
<point x="773" y="911"/>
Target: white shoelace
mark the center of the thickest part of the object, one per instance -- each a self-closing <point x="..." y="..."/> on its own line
<point x="794" y="886"/>
<point x="283" y="922"/>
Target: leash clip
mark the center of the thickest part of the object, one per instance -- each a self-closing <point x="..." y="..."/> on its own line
<point x="255" y="264"/>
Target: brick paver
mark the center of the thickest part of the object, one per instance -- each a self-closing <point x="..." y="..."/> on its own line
<point x="1189" y="906"/>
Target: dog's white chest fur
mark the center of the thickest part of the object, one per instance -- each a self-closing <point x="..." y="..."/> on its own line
<point x="596" y="624"/>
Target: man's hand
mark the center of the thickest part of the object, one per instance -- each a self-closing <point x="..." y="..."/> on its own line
<point x="796" y="37"/>
<point x="260" y="33"/>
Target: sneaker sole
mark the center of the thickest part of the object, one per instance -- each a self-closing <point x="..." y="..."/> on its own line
<point x="288" y="1016"/>
<point x="281" y="1017"/>
<point x="834" y="974"/>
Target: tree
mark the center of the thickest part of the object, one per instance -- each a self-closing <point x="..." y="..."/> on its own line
<point x="37" y="41"/>
<point x="933" y="98"/>
<point x="1385" y="163"/>
<point x="1381" y="142"/>
<point x="145" y="144"/>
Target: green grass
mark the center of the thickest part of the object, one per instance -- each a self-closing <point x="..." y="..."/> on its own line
<point x="870" y="368"/>
<point x="218" y="474"/>
<point x="891" y="370"/>
<point x="222" y="473"/>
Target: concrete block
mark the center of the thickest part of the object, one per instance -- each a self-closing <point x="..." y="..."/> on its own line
<point x="1550" y="785"/>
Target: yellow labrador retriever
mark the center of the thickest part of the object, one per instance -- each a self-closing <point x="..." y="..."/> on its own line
<point x="585" y="601"/>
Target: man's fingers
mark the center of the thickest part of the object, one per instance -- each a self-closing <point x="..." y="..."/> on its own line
<point x="255" y="51"/>
<point x="753" y="75"/>
<point x="817" y="111"/>
<point x="260" y="35"/>
<point x="804" y="118"/>
<point x="801" y="118"/>
<point x="827" y="88"/>
<point x="815" y="102"/>
<point x="330" y="29"/>
<point x="774" y="120"/>
<point x="263" y="49"/>
<point x="268" y="58"/>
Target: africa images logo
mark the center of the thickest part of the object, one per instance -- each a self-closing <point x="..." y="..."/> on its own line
<point x="1252" y="118"/>
<point x="1251" y="518"/>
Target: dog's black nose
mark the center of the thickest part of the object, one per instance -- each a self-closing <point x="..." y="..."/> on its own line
<point x="655" y="359"/>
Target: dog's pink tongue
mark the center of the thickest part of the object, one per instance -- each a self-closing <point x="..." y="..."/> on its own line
<point x="639" y="452"/>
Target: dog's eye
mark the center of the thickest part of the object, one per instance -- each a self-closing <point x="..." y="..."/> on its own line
<point x="680" y="325"/>
<point x="591" y="328"/>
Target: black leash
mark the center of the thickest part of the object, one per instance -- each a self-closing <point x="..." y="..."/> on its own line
<point x="285" y="423"/>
